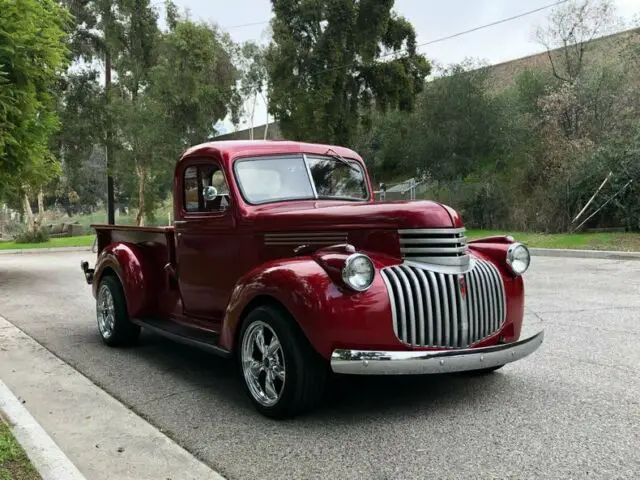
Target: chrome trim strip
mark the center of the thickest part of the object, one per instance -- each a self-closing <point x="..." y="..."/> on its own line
<point x="461" y="261"/>
<point x="428" y="250"/>
<point x="275" y="236"/>
<point x="370" y="362"/>
<point x="313" y="184"/>
<point x="431" y="267"/>
<point x="431" y="240"/>
<point x="431" y="231"/>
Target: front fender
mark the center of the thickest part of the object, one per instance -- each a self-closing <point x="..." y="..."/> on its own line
<point x="330" y="315"/>
<point x="138" y="283"/>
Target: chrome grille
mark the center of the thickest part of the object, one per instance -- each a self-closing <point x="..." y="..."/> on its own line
<point x="430" y="309"/>
<point x="438" y="246"/>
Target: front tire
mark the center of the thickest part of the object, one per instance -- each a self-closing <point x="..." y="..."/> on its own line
<point x="283" y="375"/>
<point x="114" y="325"/>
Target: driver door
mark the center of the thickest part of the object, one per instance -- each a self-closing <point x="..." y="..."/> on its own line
<point x="205" y="249"/>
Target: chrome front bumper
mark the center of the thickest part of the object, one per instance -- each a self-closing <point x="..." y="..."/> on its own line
<point x="370" y="362"/>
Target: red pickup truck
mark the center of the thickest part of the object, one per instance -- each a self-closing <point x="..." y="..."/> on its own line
<point x="281" y="258"/>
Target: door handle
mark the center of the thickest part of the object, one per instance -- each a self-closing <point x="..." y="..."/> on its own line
<point x="179" y="222"/>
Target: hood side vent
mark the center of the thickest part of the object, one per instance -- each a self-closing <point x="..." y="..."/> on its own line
<point x="305" y="238"/>
<point x="436" y="246"/>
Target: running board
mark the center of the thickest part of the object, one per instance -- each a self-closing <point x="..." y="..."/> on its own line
<point x="195" y="337"/>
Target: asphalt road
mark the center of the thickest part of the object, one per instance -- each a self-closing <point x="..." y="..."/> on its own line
<point x="571" y="410"/>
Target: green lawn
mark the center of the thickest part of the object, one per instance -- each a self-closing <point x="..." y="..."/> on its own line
<point x="14" y="463"/>
<point x="79" y="241"/>
<point x="629" y="242"/>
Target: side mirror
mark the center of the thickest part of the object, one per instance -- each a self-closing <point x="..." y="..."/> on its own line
<point x="209" y="193"/>
<point x="383" y="187"/>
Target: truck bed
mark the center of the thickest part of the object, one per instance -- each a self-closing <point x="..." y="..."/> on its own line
<point x="156" y="241"/>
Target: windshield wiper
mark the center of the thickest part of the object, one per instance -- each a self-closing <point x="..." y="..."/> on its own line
<point x="341" y="159"/>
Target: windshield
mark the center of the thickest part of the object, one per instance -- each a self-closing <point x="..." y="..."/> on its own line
<point x="272" y="179"/>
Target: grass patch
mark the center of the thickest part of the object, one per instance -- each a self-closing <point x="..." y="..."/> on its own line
<point x="623" y="241"/>
<point x="79" y="241"/>
<point x="14" y="463"/>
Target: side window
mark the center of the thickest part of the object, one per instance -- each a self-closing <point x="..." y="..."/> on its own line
<point x="205" y="189"/>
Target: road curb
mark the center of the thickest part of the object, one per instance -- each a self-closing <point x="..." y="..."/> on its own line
<point x="103" y="437"/>
<point x="46" y="456"/>
<point x="600" y="254"/>
<point x="25" y="251"/>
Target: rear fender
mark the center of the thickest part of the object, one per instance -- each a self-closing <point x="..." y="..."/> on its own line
<point x="127" y="261"/>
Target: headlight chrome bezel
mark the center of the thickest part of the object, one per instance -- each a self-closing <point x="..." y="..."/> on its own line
<point x="510" y="258"/>
<point x="346" y="274"/>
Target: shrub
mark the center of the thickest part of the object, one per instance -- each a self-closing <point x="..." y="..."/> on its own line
<point x="31" y="236"/>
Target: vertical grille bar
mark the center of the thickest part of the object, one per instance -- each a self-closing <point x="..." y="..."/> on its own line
<point x="426" y="289"/>
<point x="392" y="301"/>
<point x="453" y="300"/>
<point x="490" y="300"/>
<point x="419" y="308"/>
<point x="410" y="309"/>
<point x="402" y="314"/>
<point x="473" y="295"/>
<point x="437" y="336"/>
<point x="445" y="311"/>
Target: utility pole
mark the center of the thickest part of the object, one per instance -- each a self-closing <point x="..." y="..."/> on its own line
<point x="111" y="216"/>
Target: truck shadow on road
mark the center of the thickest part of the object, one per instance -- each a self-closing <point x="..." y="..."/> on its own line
<point x="215" y="380"/>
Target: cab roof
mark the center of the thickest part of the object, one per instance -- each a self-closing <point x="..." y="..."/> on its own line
<point x="228" y="150"/>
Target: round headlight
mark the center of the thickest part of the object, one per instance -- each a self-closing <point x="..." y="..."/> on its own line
<point x="358" y="272"/>
<point x="518" y="258"/>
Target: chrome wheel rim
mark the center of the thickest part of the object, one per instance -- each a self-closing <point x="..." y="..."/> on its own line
<point x="106" y="312"/>
<point x="263" y="363"/>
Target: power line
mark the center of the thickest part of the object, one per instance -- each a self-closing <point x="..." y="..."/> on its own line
<point x="242" y="25"/>
<point x="449" y="37"/>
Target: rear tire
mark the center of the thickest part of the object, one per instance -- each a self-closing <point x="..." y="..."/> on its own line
<point x="114" y="325"/>
<point x="283" y="375"/>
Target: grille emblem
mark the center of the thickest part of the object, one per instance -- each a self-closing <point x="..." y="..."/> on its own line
<point x="463" y="285"/>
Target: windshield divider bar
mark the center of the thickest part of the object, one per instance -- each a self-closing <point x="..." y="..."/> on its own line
<point x="313" y="185"/>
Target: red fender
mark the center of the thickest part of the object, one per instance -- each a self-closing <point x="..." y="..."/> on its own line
<point x="138" y="282"/>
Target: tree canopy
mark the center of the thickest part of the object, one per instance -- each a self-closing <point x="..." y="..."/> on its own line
<point x="331" y="62"/>
<point x="33" y="55"/>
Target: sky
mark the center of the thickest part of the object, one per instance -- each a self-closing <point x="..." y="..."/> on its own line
<point x="431" y="19"/>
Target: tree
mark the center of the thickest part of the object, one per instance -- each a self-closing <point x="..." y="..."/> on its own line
<point x="330" y="62"/>
<point x="33" y="53"/>
<point x="136" y="113"/>
<point x="81" y="110"/>
<point x="98" y="34"/>
<point x="255" y="78"/>
<point x="195" y="80"/>
<point x="571" y="26"/>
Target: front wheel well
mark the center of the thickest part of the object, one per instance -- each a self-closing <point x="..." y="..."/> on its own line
<point x="260" y="301"/>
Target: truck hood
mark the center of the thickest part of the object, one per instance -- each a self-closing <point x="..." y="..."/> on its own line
<point x="342" y="215"/>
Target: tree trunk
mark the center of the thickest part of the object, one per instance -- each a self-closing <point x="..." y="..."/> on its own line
<point x="141" y="183"/>
<point x="40" y="206"/>
<point x="266" y="123"/>
<point x="31" y="219"/>
<point x="253" y="111"/>
<point x="111" y="214"/>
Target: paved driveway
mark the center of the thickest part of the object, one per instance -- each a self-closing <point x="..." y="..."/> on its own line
<point x="572" y="410"/>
